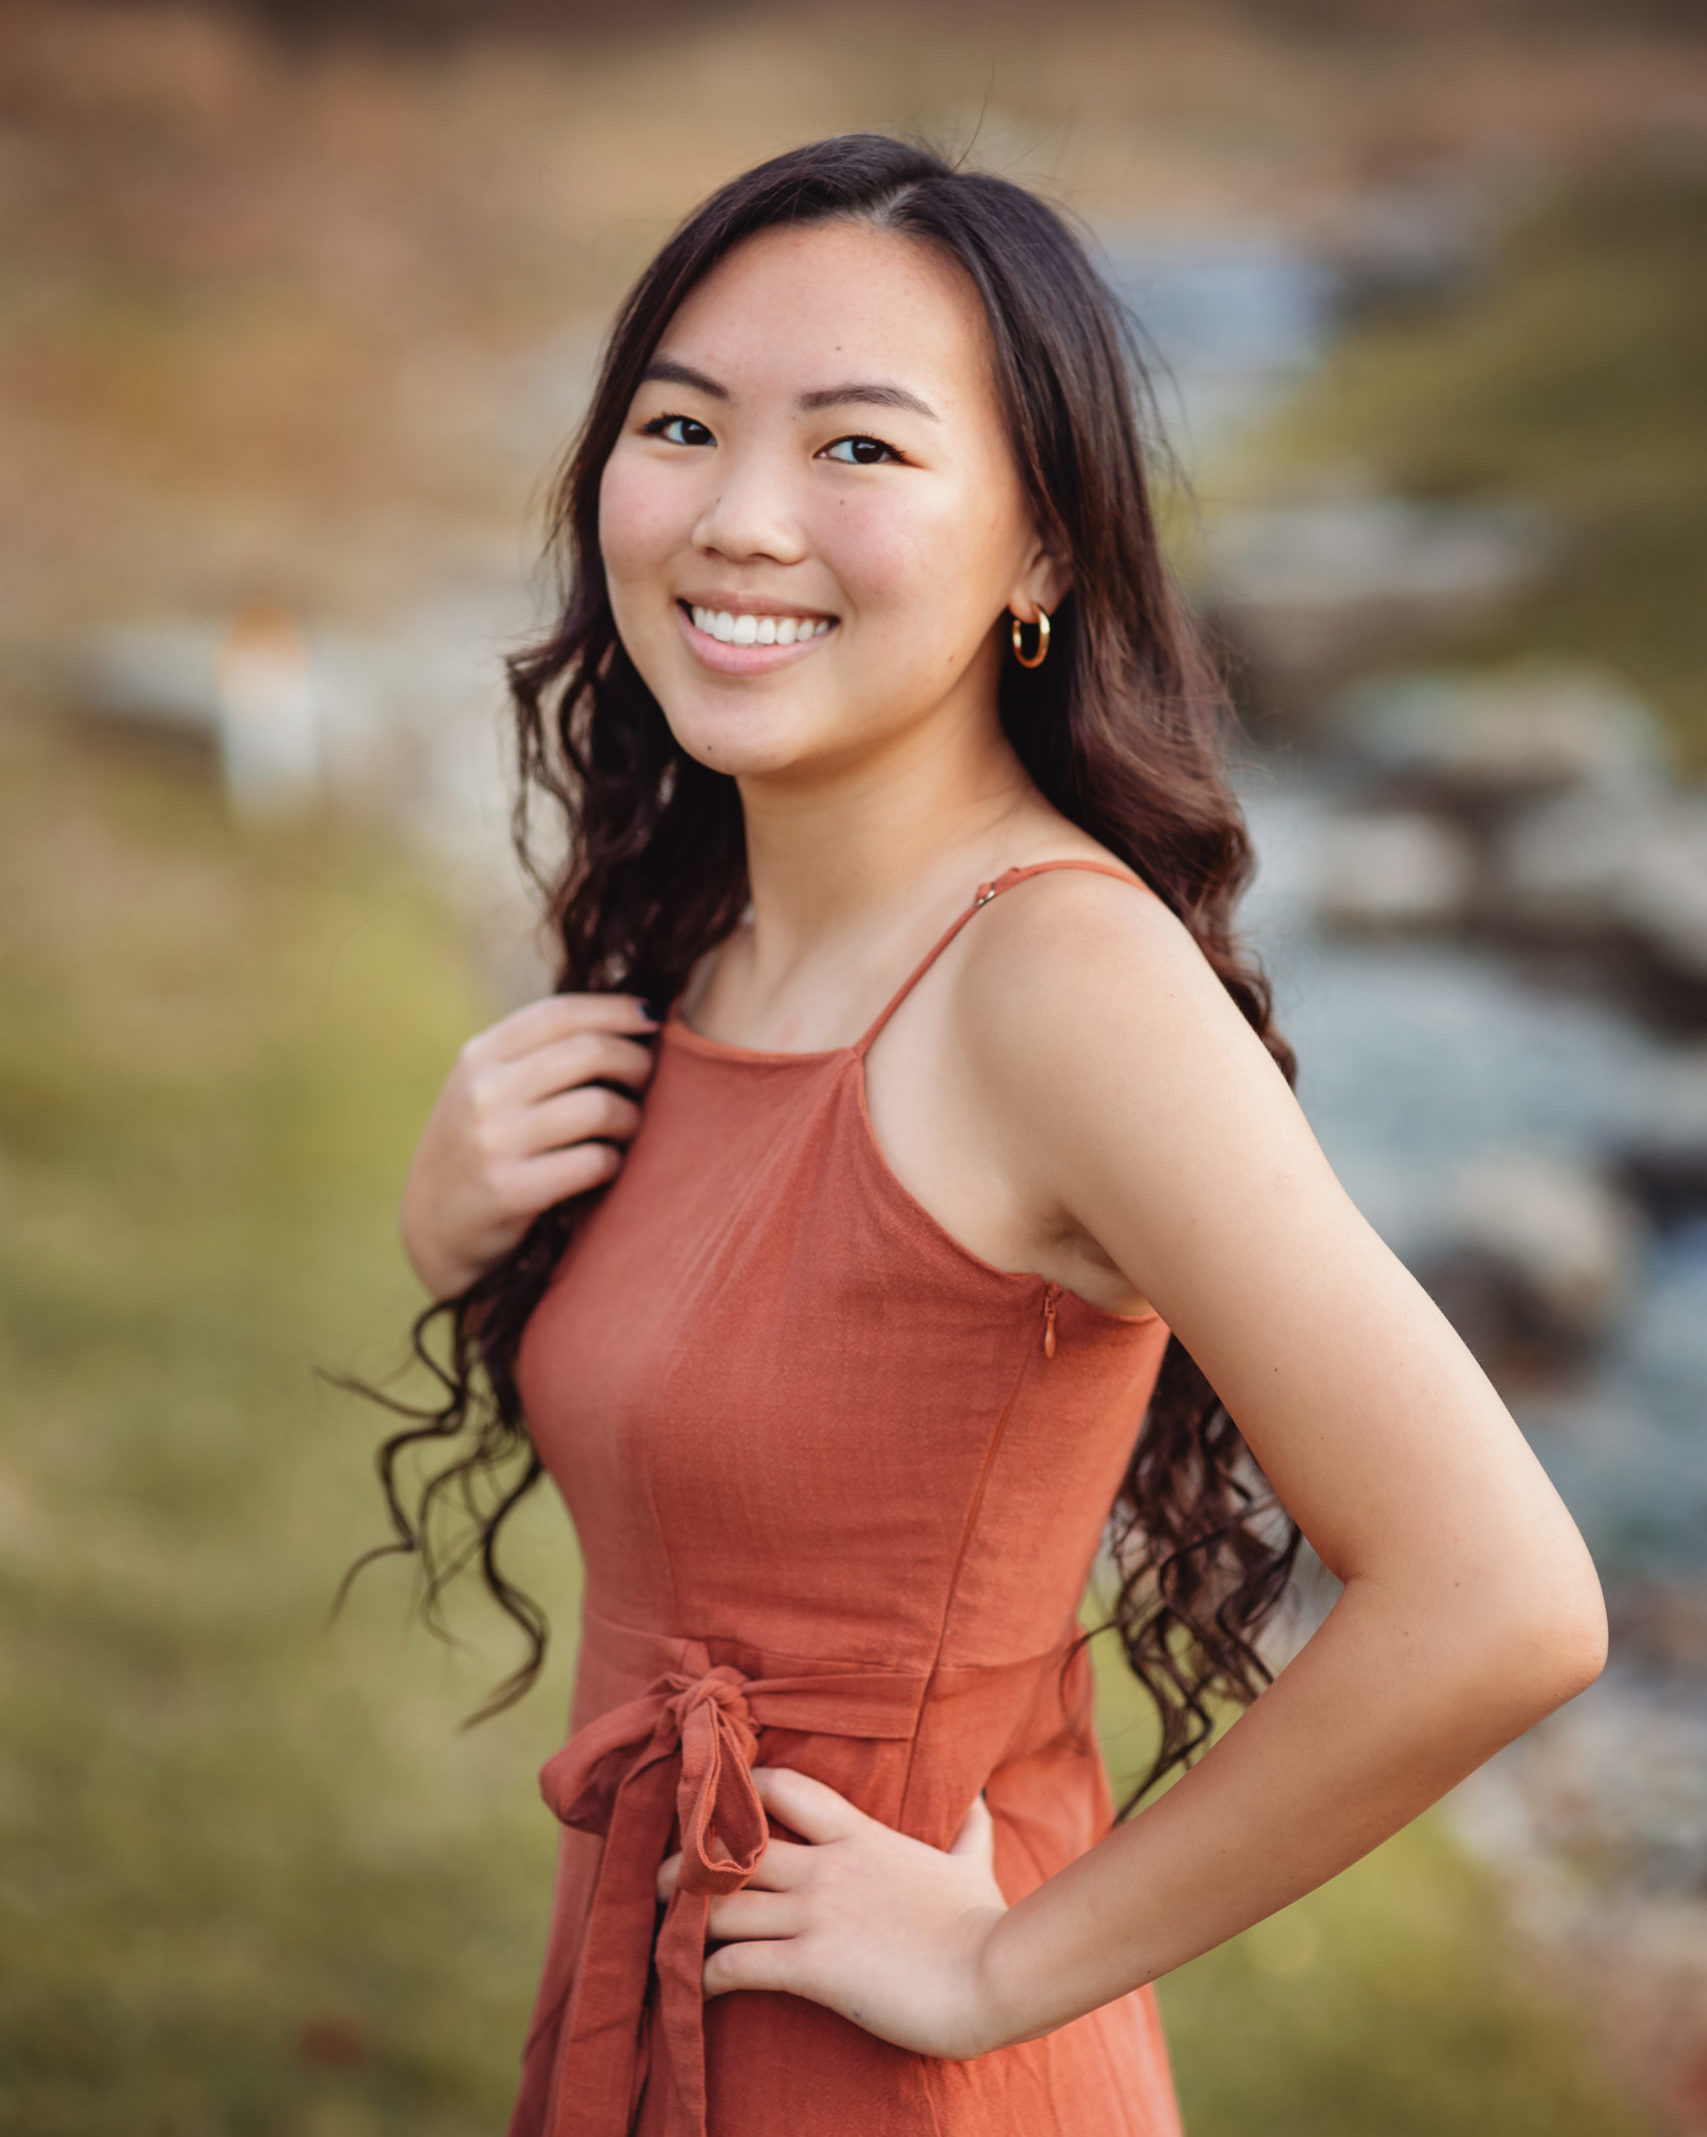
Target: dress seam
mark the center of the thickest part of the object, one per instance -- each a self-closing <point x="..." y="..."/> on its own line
<point x="968" y="1527"/>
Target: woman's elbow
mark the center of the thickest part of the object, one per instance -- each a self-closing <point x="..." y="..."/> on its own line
<point x="1589" y="1636"/>
<point x="1553" y="1643"/>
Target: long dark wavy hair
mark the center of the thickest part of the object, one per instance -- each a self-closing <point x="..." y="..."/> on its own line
<point x="1124" y="729"/>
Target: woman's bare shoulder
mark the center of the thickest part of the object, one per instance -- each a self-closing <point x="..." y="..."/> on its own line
<point x="1076" y="974"/>
<point x="1064" y="932"/>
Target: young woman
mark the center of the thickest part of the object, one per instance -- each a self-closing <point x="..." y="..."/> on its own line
<point x="890" y="773"/>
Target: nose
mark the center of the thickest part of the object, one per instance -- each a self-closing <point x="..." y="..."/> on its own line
<point x="752" y="513"/>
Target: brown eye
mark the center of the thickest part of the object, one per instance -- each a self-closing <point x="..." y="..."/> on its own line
<point x="677" y="430"/>
<point x="861" y="452"/>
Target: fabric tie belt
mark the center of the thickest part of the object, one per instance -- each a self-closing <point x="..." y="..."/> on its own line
<point x="683" y="1750"/>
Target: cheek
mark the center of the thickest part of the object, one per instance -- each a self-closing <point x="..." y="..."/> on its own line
<point x="939" y="555"/>
<point x="880" y="546"/>
<point x="641" y="513"/>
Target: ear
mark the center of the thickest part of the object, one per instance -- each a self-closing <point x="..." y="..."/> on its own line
<point x="1044" y="583"/>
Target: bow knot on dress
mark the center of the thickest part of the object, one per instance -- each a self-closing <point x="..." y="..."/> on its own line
<point x="704" y="1721"/>
<point x="678" y="1756"/>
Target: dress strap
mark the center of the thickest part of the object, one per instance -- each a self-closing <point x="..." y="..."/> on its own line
<point x="985" y="892"/>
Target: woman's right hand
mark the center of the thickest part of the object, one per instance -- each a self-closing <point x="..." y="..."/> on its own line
<point x="519" y="1125"/>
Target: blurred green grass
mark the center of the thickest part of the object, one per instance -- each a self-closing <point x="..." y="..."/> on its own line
<point x="255" y="1879"/>
<point x="1570" y="374"/>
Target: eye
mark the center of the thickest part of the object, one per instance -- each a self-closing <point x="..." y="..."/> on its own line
<point x="666" y="427"/>
<point x="861" y="452"/>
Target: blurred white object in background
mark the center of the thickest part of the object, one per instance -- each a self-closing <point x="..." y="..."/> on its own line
<point x="407" y="725"/>
<point x="271" y="749"/>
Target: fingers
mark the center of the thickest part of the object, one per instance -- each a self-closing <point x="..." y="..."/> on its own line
<point x="516" y="1112"/>
<point x="576" y="1117"/>
<point x="538" y="1182"/>
<point x="575" y="1059"/>
<point x="526" y="1119"/>
<point x="783" y="1867"/>
<point x="748" y="1913"/>
<point x="559" y="1016"/>
<point x="810" y="1808"/>
<point x="758" y="1923"/>
<point x="756" y="1963"/>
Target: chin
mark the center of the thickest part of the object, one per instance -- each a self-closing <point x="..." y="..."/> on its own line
<point x="744" y="743"/>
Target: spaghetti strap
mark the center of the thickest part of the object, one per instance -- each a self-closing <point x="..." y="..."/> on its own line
<point x="985" y="892"/>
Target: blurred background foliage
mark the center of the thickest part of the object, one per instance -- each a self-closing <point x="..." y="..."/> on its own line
<point x="298" y="306"/>
<point x="1567" y="374"/>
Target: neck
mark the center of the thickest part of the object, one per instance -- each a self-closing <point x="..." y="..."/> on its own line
<point x="833" y="857"/>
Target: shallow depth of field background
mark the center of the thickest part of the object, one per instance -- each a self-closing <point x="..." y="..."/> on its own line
<point x="297" y="311"/>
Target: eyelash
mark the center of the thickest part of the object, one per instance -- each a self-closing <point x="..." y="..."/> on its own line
<point x="659" y="424"/>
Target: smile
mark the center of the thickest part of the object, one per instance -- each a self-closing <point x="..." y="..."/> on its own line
<point x="742" y="642"/>
<point x="746" y="629"/>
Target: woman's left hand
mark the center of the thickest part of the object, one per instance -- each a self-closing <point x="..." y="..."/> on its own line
<point x="885" y="1929"/>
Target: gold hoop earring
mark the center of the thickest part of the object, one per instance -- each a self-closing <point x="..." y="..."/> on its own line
<point x="1037" y="659"/>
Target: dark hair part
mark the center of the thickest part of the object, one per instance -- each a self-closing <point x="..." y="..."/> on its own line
<point x="1124" y="730"/>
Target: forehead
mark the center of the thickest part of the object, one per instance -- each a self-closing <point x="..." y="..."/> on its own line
<point x="796" y="310"/>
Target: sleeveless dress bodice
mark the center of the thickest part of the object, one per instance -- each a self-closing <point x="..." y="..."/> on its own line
<point x="838" y="1484"/>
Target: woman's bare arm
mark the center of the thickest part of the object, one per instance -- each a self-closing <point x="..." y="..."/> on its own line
<point x="1470" y="1606"/>
<point x="520" y="1124"/>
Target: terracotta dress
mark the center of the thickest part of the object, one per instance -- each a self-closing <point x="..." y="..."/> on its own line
<point x="838" y="1484"/>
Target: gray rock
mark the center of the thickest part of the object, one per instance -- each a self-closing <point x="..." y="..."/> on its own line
<point x="1662" y="1159"/>
<point x="1625" y="869"/>
<point x="153" y="673"/>
<point x="1337" y="552"/>
<point x="1534" y="1259"/>
<point x="1393" y="870"/>
<point x="1501" y="737"/>
<point x="1662" y="899"/>
<point x="1312" y="589"/>
<point x="1559" y="867"/>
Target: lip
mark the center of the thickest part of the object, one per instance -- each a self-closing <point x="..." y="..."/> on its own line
<point x="753" y="605"/>
<point x="748" y="660"/>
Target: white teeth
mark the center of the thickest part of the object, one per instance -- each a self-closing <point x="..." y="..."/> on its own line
<point x="748" y="630"/>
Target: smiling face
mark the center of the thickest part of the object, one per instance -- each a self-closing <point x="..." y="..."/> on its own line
<point x="812" y="525"/>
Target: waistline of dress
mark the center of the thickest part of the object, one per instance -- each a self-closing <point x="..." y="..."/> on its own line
<point x="835" y="1695"/>
<point x="676" y="1749"/>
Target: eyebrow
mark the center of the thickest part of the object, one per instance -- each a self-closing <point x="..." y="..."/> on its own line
<point x="872" y="396"/>
<point x="666" y="371"/>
